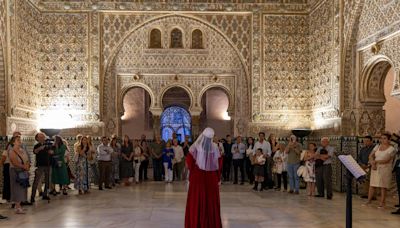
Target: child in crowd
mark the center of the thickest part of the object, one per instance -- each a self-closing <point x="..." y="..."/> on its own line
<point x="259" y="161"/>
<point x="280" y="159"/>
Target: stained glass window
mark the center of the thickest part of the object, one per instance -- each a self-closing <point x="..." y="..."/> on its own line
<point x="177" y="120"/>
<point x="176" y="38"/>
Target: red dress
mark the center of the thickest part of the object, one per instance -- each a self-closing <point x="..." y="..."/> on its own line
<point x="203" y="205"/>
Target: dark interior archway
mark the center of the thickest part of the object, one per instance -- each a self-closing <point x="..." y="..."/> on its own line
<point x="215" y="103"/>
<point x="137" y="118"/>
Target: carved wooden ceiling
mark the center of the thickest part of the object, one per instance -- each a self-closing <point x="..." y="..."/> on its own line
<point x="280" y="6"/>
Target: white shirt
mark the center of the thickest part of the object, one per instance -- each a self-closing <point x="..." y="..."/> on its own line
<point x="265" y="147"/>
<point x="238" y="150"/>
<point x="178" y="153"/>
<point x="104" y="152"/>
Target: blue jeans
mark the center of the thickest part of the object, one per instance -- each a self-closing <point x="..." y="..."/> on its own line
<point x="294" y="179"/>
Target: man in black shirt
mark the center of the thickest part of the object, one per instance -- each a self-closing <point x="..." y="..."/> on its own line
<point x="227" y="161"/>
<point x="42" y="166"/>
<point x="362" y="160"/>
<point x="186" y="145"/>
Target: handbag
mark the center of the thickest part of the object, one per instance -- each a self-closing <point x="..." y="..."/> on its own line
<point x="22" y="175"/>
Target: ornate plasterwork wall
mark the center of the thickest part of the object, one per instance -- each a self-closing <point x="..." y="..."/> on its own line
<point x="3" y="49"/>
<point x="283" y="89"/>
<point x="371" y="49"/>
<point x="324" y="64"/>
<point x="159" y="69"/>
<point x="266" y="46"/>
<point x="24" y="67"/>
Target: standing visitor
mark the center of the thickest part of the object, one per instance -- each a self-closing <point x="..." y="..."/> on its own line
<point x="19" y="174"/>
<point x="259" y="161"/>
<point x="168" y="156"/>
<point x="104" y="152"/>
<point x="226" y="170"/>
<point x="93" y="170"/>
<point x="249" y="163"/>
<point x="323" y="173"/>
<point x="293" y="151"/>
<point x="396" y="171"/>
<point x="363" y="161"/>
<point x="115" y="159"/>
<point x="179" y="160"/>
<point x="185" y="146"/>
<point x="381" y="160"/>
<point x="271" y="166"/>
<point x="309" y="159"/>
<point x="126" y="160"/>
<point x="42" y="166"/>
<point x="157" y="150"/>
<point x="82" y="167"/>
<point x="5" y="162"/>
<point x="137" y="158"/>
<point x="144" y="161"/>
<point x="204" y="163"/>
<point x="59" y="172"/>
<point x="267" y="151"/>
<point x="280" y="159"/>
<point x="238" y="152"/>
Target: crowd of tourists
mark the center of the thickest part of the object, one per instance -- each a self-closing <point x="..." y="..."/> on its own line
<point x="264" y="163"/>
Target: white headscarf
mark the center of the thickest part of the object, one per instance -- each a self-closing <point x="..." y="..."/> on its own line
<point x="205" y="151"/>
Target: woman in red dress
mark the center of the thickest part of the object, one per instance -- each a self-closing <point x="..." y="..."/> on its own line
<point x="204" y="163"/>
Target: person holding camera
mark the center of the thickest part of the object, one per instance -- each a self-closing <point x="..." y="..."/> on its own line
<point x="42" y="152"/>
<point x="19" y="174"/>
<point x="293" y="151"/>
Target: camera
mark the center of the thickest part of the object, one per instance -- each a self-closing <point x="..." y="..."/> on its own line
<point x="48" y="143"/>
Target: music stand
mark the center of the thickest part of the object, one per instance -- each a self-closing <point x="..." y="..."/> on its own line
<point x="353" y="171"/>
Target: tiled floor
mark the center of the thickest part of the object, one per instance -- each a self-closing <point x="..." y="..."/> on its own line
<point x="163" y="205"/>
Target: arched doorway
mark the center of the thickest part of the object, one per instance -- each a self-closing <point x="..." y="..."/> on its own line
<point x="215" y="105"/>
<point x="137" y="120"/>
<point x="392" y="104"/>
<point x="376" y="102"/>
<point x="175" y="119"/>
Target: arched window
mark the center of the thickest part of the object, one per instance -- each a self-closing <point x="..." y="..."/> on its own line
<point x="155" y="38"/>
<point x="197" y="39"/>
<point x="176" y="120"/>
<point x="176" y="38"/>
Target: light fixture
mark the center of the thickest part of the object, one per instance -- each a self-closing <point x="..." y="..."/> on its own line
<point x="225" y="116"/>
<point x="55" y="119"/>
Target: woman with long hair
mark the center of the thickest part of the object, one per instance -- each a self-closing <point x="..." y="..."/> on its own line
<point x="249" y="163"/>
<point x="137" y="159"/>
<point x="271" y="164"/>
<point x="126" y="160"/>
<point x="82" y="166"/>
<point x="309" y="159"/>
<point x="144" y="160"/>
<point x="59" y="174"/>
<point x="93" y="170"/>
<point x="115" y="158"/>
